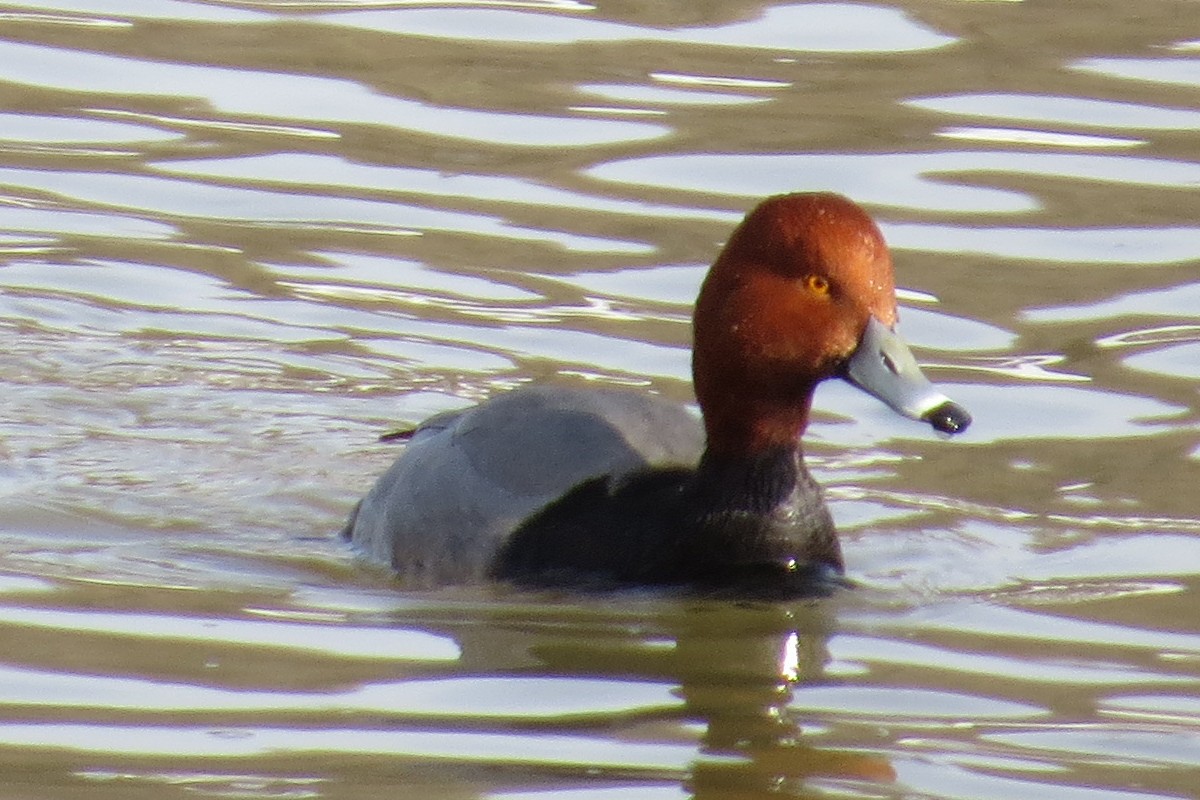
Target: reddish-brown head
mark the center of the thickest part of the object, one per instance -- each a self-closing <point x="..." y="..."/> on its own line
<point x="783" y="307"/>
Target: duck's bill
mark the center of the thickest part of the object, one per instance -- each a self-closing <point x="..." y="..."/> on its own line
<point x="883" y="366"/>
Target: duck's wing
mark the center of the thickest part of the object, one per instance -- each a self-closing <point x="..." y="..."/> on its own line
<point x="466" y="480"/>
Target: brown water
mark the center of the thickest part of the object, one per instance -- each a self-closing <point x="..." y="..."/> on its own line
<point x="239" y="240"/>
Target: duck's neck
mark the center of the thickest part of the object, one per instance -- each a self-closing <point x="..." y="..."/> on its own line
<point x="765" y="525"/>
<point x="752" y="454"/>
<point x="755" y="483"/>
<point x="741" y="424"/>
<point x="751" y="484"/>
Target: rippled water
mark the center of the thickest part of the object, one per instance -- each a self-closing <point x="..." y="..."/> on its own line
<point x="238" y="240"/>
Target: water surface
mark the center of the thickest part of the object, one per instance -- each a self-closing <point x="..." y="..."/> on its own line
<point x="238" y="240"/>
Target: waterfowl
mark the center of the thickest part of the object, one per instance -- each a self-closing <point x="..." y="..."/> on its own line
<point x="604" y="488"/>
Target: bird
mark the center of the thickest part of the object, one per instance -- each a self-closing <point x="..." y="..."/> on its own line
<point x="598" y="489"/>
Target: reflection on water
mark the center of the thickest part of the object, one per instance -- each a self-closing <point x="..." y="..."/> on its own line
<point x="807" y="27"/>
<point x="238" y="240"/>
<point x="911" y="181"/>
<point x="1063" y="111"/>
<point x="298" y="97"/>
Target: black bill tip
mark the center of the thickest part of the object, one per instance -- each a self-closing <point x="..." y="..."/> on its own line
<point x="949" y="418"/>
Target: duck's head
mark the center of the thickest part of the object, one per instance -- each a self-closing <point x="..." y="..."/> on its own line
<point x="803" y="291"/>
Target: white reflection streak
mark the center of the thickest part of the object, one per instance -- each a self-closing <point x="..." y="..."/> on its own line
<point x="327" y="171"/>
<point x="960" y="507"/>
<point x="981" y="619"/>
<point x="1062" y="110"/>
<point x="789" y="658"/>
<point x="917" y="178"/>
<point x="882" y="652"/>
<point x="1032" y="137"/>
<point x="212" y="124"/>
<point x="619" y="112"/>
<point x="930" y="502"/>
<point x="305" y="97"/>
<point x="470" y="697"/>
<point x="1166" y="334"/>
<point x="792" y="28"/>
<point x="682" y="79"/>
<point x="1027" y="367"/>
<point x="59" y="19"/>
<point x="344" y="641"/>
<point x="278" y="209"/>
<point x="167" y="10"/>
<point x="217" y="784"/>
<point x="340" y="5"/>
<point x="243" y="742"/>
<point x="1116" y="246"/>
<point x="1169" y="71"/>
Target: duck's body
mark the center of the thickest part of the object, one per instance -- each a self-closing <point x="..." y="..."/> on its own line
<point x="756" y="527"/>
<point x="468" y="479"/>
<point x="601" y="488"/>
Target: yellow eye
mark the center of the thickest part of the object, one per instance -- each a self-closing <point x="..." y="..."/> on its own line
<point x="817" y="284"/>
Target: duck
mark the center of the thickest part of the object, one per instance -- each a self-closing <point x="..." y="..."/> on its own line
<point x="593" y="489"/>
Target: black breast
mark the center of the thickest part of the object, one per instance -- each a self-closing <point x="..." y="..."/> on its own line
<point x="751" y="527"/>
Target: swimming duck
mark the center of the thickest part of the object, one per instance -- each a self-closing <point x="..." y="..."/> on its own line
<point x="602" y="488"/>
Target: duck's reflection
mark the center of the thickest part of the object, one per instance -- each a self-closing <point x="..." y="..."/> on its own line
<point x="734" y="667"/>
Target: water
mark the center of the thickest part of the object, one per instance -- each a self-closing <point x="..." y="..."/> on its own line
<point x="238" y="240"/>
